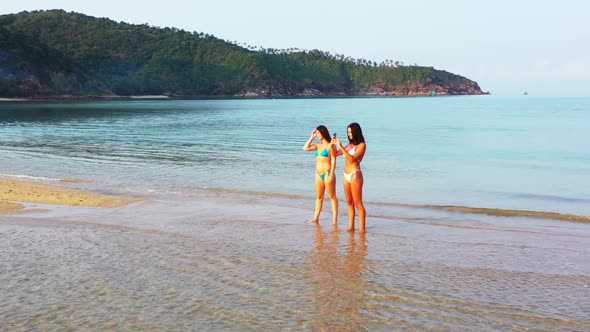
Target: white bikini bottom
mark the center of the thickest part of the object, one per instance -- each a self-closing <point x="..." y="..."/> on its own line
<point x="348" y="176"/>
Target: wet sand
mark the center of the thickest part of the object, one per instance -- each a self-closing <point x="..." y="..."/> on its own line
<point x="214" y="260"/>
<point x="31" y="192"/>
<point x="10" y="207"/>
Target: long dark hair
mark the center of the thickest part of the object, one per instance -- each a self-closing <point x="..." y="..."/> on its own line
<point x="357" y="133"/>
<point x="324" y="132"/>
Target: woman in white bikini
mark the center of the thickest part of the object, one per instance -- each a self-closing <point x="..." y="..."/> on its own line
<point x="353" y="154"/>
<point x="325" y="165"/>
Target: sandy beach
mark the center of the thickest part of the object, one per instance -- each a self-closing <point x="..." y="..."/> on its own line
<point x="12" y="192"/>
<point x="10" y="207"/>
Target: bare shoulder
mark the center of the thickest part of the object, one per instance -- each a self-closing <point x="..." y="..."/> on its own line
<point x="361" y="146"/>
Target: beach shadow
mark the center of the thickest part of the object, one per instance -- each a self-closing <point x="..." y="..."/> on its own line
<point x="339" y="291"/>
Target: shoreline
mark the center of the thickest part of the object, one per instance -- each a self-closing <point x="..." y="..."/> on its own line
<point x="13" y="193"/>
<point x="216" y="97"/>
<point x="83" y="98"/>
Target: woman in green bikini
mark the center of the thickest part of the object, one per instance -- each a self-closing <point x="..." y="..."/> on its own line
<point x="325" y="166"/>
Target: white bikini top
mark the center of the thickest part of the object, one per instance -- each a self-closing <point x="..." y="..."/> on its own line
<point x="351" y="151"/>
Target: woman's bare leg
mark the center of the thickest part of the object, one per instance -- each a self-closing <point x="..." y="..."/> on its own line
<point x="331" y="188"/>
<point x="349" y="205"/>
<point x="357" y="196"/>
<point x="319" y="201"/>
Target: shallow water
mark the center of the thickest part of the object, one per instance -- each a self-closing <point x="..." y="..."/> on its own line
<point x="220" y="244"/>
<point x="244" y="262"/>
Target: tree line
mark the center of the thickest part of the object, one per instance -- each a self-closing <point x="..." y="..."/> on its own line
<point x="45" y="53"/>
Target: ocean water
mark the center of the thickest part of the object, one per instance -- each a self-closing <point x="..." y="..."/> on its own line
<point x="220" y="242"/>
<point x="503" y="153"/>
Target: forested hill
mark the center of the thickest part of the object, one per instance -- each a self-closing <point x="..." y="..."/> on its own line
<point x="55" y="53"/>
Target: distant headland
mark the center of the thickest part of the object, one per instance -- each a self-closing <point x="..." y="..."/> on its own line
<point x="56" y="54"/>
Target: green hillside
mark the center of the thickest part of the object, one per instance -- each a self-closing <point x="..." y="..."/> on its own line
<point x="55" y="53"/>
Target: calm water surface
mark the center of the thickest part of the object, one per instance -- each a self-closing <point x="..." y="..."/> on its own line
<point x="519" y="153"/>
<point x="220" y="243"/>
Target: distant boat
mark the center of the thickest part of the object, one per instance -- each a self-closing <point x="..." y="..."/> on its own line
<point x="433" y="93"/>
<point x="525" y="93"/>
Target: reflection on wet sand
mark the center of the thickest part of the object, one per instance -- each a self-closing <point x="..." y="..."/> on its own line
<point x="338" y="291"/>
<point x="225" y="267"/>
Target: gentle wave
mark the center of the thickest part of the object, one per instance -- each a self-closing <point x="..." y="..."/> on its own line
<point x="494" y="211"/>
<point x="552" y="198"/>
<point x="255" y="193"/>
<point x="43" y="178"/>
<point x="30" y="177"/>
<point x="513" y="213"/>
<point x="453" y="208"/>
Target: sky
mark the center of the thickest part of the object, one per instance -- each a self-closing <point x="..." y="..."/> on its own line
<point x="540" y="47"/>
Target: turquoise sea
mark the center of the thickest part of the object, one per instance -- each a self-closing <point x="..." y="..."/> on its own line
<point x="220" y="242"/>
<point x="506" y="153"/>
